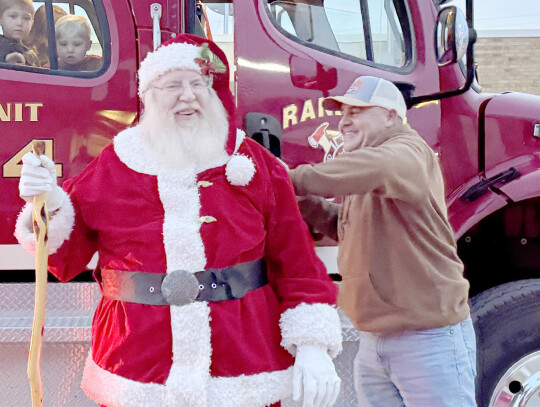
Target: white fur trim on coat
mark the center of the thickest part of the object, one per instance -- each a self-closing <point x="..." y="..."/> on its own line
<point x="184" y="249"/>
<point x="131" y="150"/>
<point x="256" y="390"/>
<point x="188" y="378"/>
<point x="60" y="226"/>
<point x="179" y="194"/>
<point x="311" y="324"/>
<point x="165" y="59"/>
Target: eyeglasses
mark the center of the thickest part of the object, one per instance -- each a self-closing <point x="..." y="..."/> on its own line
<point x="179" y="88"/>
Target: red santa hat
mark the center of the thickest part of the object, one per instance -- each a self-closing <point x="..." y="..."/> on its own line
<point x="190" y="52"/>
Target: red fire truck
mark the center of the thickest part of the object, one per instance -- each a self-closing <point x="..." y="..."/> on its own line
<point x="286" y="56"/>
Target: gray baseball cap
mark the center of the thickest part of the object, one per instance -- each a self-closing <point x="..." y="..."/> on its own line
<point x="370" y="91"/>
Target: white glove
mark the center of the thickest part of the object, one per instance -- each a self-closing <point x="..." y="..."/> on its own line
<point x="314" y="374"/>
<point x="38" y="175"/>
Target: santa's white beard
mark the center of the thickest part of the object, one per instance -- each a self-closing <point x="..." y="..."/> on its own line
<point x="177" y="147"/>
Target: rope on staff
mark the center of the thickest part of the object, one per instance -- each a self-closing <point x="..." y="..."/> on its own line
<point x="40" y="218"/>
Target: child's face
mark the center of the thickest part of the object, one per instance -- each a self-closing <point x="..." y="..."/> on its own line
<point x="72" y="50"/>
<point x="16" y="23"/>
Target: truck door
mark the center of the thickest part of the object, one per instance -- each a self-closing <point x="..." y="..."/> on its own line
<point x="291" y="54"/>
<point x="76" y="108"/>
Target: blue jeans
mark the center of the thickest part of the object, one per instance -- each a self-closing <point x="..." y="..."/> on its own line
<point x="429" y="368"/>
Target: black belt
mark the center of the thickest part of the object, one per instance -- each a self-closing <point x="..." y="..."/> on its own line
<point x="181" y="287"/>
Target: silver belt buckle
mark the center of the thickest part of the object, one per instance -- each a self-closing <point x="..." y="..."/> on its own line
<point x="179" y="287"/>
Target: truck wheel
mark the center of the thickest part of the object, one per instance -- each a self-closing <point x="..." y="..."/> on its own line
<point x="507" y="324"/>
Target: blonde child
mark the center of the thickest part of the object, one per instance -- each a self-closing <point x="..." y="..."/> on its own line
<point x="73" y="42"/>
<point x="16" y="19"/>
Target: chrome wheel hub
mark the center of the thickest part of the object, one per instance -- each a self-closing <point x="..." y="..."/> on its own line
<point x="520" y="384"/>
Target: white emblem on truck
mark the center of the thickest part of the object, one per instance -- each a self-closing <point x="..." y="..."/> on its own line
<point x="330" y="140"/>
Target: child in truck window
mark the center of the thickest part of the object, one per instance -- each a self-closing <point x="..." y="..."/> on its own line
<point x="73" y="42"/>
<point x="16" y="19"/>
<point x="37" y="39"/>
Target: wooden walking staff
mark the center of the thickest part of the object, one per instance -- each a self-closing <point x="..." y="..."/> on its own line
<point x="40" y="218"/>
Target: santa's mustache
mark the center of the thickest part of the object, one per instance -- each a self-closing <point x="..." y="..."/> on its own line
<point x="187" y="108"/>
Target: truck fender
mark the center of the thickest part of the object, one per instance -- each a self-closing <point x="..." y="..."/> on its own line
<point x="527" y="186"/>
<point x="464" y="215"/>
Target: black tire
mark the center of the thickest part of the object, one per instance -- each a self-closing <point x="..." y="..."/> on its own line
<point x="507" y="325"/>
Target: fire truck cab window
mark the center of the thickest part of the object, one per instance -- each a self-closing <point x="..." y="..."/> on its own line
<point x="62" y="38"/>
<point x="371" y="30"/>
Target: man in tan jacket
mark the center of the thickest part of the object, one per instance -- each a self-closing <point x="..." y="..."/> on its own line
<point x="403" y="284"/>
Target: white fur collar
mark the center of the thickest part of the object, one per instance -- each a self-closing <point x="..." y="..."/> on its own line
<point x="131" y="150"/>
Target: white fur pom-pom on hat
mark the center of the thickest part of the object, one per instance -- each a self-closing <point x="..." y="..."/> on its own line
<point x="240" y="170"/>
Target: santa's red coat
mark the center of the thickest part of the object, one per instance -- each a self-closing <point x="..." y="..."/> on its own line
<point x="140" y="216"/>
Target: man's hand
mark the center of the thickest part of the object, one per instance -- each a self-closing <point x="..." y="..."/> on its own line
<point x="315" y="376"/>
<point x="38" y="175"/>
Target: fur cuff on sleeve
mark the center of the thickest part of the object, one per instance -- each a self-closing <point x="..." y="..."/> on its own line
<point x="60" y="227"/>
<point x="311" y="324"/>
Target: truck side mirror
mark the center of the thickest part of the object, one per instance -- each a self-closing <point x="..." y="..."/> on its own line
<point x="310" y="74"/>
<point x="452" y="35"/>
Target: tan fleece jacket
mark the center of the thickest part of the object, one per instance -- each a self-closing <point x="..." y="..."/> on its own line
<point x="397" y="253"/>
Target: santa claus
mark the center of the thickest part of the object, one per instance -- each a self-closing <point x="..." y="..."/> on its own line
<point x="212" y="292"/>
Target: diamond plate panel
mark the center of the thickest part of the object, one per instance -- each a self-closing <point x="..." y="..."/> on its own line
<point x="66" y="342"/>
<point x="68" y="316"/>
<point x="61" y="369"/>
<point x="70" y="296"/>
